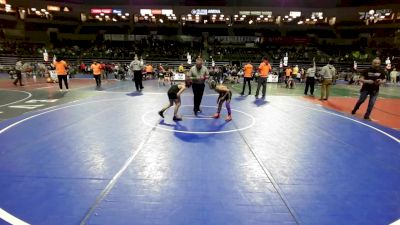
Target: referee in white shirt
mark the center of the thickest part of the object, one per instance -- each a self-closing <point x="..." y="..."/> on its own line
<point x="198" y="74"/>
<point x="136" y="67"/>
<point x="310" y="80"/>
<point x="328" y="73"/>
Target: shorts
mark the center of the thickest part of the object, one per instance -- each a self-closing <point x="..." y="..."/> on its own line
<point x="228" y="97"/>
<point x="172" y="95"/>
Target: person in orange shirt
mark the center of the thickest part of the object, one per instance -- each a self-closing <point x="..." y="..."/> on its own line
<point x="96" y="69"/>
<point x="289" y="79"/>
<point x="247" y="77"/>
<point x="149" y="71"/>
<point x="263" y="70"/>
<point x="61" y="70"/>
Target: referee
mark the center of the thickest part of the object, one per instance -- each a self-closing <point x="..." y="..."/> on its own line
<point x="310" y="79"/>
<point x="198" y="74"/>
<point x="136" y="67"/>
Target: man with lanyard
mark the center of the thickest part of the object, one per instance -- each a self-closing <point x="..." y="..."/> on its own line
<point x="328" y="73"/>
<point x="198" y="74"/>
<point x="136" y="67"/>
<point x="264" y="70"/>
<point x="310" y="79"/>
<point x="248" y="74"/>
<point x="18" y="69"/>
<point x="371" y="79"/>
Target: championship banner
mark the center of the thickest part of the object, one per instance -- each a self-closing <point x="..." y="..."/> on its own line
<point x="272" y="78"/>
<point x="179" y="77"/>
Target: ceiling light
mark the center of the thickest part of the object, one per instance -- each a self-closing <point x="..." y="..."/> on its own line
<point x="43" y="10"/>
<point x="261" y="16"/>
<point x="251" y="21"/>
<point x="300" y="22"/>
<point x="236" y="16"/>
<point x="101" y="14"/>
<point x="387" y="14"/>
<point x="33" y="9"/>
<point x="269" y="16"/>
<point x="119" y="14"/>
<point x="115" y="20"/>
<point x="126" y="14"/>
<point x="286" y="16"/>
<point x="123" y="17"/>
<point x="382" y="17"/>
<point x="371" y="12"/>
<point x="242" y="19"/>
<point x="205" y="21"/>
<point x="227" y="18"/>
<point x="307" y="20"/>
<point x="161" y="21"/>
<point x="258" y="18"/>
<point x="265" y="19"/>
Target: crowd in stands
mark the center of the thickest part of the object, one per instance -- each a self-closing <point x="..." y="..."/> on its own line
<point x="153" y="49"/>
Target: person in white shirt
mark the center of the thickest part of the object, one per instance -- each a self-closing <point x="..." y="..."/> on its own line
<point x="393" y="76"/>
<point x="328" y="73"/>
<point x="136" y="66"/>
<point x="18" y="70"/>
<point x="310" y="80"/>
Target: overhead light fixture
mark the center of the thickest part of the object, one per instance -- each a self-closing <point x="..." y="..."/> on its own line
<point x="183" y="18"/>
<point x="371" y="12"/>
<point x="382" y="17"/>
<point x="315" y="20"/>
<point x="261" y="16"/>
<point x="307" y="19"/>
<point x="123" y="17"/>
<point x="115" y="20"/>
<point x="290" y="19"/>
<point x="101" y="14"/>
<point x="300" y="22"/>
<point x="119" y="14"/>
<point x="205" y="21"/>
<point x="286" y="16"/>
<point x="269" y="16"/>
<point x="258" y="18"/>
<point x="146" y="17"/>
<point x="266" y="19"/>
<point x="227" y="18"/>
<point x="126" y="14"/>
<point x="236" y="16"/>
<point x="161" y="21"/>
<point x="251" y="21"/>
<point x="43" y="10"/>
<point x="312" y="17"/>
<point x="387" y="14"/>
<point x="33" y="9"/>
<point x="242" y="18"/>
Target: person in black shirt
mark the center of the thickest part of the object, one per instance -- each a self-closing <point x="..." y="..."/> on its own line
<point x="371" y="79"/>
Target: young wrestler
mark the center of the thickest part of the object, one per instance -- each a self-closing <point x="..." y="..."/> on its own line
<point x="225" y="95"/>
<point x="174" y="95"/>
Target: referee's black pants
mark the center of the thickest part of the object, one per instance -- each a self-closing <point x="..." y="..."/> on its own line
<point x="198" y="91"/>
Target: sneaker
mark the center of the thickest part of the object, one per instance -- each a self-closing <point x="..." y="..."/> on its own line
<point x="177" y="118"/>
<point x="228" y="118"/>
<point x="22" y="85"/>
<point x="367" y="118"/>
<point x="216" y="116"/>
<point x="242" y="93"/>
<point x="353" y="112"/>
<point x="161" y="113"/>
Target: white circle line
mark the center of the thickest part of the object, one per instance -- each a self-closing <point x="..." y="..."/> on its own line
<point x="29" y="95"/>
<point x="102" y="100"/>
<point x="202" y="132"/>
<point x="348" y="118"/>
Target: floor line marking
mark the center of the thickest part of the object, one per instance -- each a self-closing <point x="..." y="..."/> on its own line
<point x="348" y="118"/>
<point x="115" y="178"/>
<point x="29" y="95"/>
<point x="271" y="178"/>
<point x="10" y="218"/>
<point x="397" y="222"/>
<point x="202" y="132"/>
